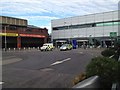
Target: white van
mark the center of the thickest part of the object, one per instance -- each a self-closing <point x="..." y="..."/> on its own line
<point x="47" y="47"/>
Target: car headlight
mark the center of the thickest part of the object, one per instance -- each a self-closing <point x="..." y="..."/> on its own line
<point x="64" y="47"/>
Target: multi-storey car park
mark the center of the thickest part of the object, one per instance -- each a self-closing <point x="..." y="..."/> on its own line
<point x="100" y="29"/>
<point x="16" y="33"/>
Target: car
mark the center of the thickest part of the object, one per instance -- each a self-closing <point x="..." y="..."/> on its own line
<point x="66" y="47"/>
<point x="47" y="47"/>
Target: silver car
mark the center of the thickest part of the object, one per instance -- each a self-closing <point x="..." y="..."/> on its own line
<point x="66" y="47"/>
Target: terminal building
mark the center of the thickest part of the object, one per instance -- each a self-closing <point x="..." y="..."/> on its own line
<point x="16" y="33"/>
<point x="100" y="29"/>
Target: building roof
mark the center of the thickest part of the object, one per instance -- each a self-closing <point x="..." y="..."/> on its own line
<point x="32" y="26"/>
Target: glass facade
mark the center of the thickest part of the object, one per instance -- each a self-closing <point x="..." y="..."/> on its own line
<point x="87" y="25"/>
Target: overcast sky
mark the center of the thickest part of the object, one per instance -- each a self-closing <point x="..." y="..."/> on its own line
<point x="41" y="12"/>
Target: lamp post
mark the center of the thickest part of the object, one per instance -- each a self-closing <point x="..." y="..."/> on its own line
<point x="90" y="40"/>
<point x="5" y="38"/>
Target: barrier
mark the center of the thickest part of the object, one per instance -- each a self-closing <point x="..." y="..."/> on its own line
<point x="92" y="82"/>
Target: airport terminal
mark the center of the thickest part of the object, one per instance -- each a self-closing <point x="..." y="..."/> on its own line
<point x="99" y="29"/>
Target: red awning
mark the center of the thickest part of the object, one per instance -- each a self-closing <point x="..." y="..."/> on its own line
<point x="32" y="35"/>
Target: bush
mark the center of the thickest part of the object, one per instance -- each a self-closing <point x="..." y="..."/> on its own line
<point x="106" y="68"/>
<point x="108" y="52"/>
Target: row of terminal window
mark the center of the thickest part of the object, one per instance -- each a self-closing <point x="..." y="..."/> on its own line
<point x="111" y="23"/>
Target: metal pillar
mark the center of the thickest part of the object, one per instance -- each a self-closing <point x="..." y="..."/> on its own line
<point x="5" y="39"/>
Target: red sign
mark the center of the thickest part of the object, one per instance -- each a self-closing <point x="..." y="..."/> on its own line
<point x="32" y="35"/>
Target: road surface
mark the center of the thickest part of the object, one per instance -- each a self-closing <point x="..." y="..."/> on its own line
<point x="50" y="69"/>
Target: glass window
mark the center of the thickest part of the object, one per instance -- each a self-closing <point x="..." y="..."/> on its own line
<point x="99" y="24"/>
<point x="116" y="23"/>
<point x="55" y="28"/>
<point x="73" y="26"/>
<point x="108" y="24"/>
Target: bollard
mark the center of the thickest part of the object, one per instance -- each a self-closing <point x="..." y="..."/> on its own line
<point x="3" y="49"/>
<point x="29" y="48"/>
<point x="38" y="48"/>
<point x="14" y="49"/>
<point x="9" y="49"/>
<point x="33" y="47"/>
<point x="19" y="48"/>
<point x="24" y="48"/>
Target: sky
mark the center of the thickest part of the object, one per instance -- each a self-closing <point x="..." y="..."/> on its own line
<point x="41" y="12"/>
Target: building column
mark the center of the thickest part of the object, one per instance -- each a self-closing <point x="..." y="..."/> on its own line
<point x="18" y="42"/>
<point x="45" y="40"/>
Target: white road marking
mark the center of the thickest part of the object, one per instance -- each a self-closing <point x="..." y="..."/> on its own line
<point x="12" y="60"/>
<point x="81" y="52"/>
<point x="47" y="69"/>
<point x="4" y="57"/>
<point x="1" y="83"/>
<point x="92" y="54"/>
<point x="58" y="62"/>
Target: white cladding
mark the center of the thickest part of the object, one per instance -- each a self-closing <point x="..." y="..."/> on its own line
<point x="99" y="31"/>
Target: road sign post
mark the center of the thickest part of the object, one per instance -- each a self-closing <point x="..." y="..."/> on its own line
<point x="112" y="36"/>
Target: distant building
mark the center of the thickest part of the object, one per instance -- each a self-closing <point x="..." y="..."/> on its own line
<point x="19" y="34"/>
<point x="96" y="29"/>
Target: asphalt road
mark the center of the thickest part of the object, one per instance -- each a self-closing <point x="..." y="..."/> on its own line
<point x="50" y="69"/>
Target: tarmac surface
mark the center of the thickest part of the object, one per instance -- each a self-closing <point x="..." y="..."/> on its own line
<point x="50" y="69"/>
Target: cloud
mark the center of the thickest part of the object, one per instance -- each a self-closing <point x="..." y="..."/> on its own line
<point x="57" y="7"/>
<point x="38" y="17"/>
<point x="46" y="10"/>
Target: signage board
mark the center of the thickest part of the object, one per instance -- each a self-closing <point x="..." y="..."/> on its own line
<point x="9" y="34"/>
<point x="32" y="35"/>
<point x="74" y="42"/>
<point x="113" y="34"/>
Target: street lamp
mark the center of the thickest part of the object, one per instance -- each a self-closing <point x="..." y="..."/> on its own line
<point x="5" y="38"/>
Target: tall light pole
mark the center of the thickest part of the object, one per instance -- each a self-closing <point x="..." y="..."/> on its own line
<point x="5" y="38"/>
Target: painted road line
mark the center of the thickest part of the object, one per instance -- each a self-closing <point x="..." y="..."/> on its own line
<point x="81" y="52"/>
<point x="7" y="57"/>
<point x="59" y="62"/>
<point x="46" y="69"/>
<point x="9" y="61"/>
<point x="1" y="83"/>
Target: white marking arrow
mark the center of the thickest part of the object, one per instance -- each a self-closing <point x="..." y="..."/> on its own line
<point x="58" y="62"/>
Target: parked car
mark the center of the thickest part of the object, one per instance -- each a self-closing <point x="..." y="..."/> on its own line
<point x="47" y="47"/>
<point x="66" y="47"/>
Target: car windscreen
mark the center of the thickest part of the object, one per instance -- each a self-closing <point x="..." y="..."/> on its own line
<point x="65" y="45"/>
<point x="45" y="45"/>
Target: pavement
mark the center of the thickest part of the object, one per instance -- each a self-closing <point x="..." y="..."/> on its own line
<point x="50" y="69"/>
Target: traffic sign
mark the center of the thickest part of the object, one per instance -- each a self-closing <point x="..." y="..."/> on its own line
<point x="113" y="34"/>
